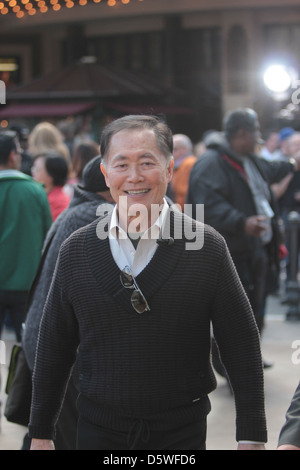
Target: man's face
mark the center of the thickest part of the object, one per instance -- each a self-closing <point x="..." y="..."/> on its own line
<point x="273" y="142"/>
<point x="294" y="145"/>
<point x="250" y="139"/>
<point x="179" y="149"/>
<point x="40" y="174"/>
<point x="137" y="169"/>
<point x="245" y="141"/>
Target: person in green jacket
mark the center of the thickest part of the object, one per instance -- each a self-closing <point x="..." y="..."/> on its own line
<point x="24" y="222"/>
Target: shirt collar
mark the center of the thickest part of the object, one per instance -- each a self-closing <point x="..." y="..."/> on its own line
<point x="117" y="232"/>
<point x="10" y="172"/>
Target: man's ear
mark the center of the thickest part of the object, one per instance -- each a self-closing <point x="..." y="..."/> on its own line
<point x="170" y="168"/>
<point x="102" y="168"/>
<point x="14" y="160"/>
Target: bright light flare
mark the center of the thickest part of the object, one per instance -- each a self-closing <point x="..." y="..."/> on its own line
<point x="277" y="79"/>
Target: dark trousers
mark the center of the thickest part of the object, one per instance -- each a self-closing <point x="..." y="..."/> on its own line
<point x="140" y="437"/>
<point x="13" y="303"/>
<point x="253" y="275"/>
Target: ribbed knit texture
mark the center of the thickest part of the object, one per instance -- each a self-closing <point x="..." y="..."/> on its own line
<point x="139" y="365"/>
<point x="81" y="211"/>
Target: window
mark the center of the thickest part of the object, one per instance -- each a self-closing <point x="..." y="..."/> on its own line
<point x="10" y="71"/>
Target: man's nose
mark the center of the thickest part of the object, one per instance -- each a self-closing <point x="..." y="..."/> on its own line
<point x="135" y="174"/>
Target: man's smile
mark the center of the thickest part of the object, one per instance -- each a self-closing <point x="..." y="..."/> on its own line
<point x="134" y="192"/>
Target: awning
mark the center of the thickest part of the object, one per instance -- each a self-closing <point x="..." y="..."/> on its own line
<point x="44" y="109"/>
<point x="82" y="80"/>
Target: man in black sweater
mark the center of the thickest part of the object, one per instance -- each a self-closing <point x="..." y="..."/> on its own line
<point x="130" y="309"/>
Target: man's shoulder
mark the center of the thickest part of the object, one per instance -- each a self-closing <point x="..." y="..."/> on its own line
<point x="23" y="185"/>
<point x="211" y="237"/>
<point x="210" y="158"/>
<point x="88" y="233"/>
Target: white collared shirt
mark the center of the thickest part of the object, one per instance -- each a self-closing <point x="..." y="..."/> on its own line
<point x="122" y="248"/>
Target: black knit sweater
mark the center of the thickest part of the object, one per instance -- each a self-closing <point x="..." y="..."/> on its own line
<point x="141" y="365"/>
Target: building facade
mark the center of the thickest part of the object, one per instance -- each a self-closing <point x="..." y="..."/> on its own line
<point x="214" y="50"/>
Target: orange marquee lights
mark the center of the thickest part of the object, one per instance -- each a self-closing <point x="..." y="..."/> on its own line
<point x="20" y="8"/>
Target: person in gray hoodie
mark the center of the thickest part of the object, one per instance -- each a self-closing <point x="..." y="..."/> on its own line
<point x="91" y="199"/>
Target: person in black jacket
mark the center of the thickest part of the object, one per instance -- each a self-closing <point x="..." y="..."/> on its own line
<point x="234" y="186"/>
<point x="289" y="437"/>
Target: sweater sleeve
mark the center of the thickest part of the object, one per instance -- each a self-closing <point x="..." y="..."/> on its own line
<point x="237" y="336"/>
<point x="56" y="352"/>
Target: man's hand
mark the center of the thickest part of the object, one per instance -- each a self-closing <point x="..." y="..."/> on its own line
<point x="288" y="447"/>
<point x="254" y="225"/>
<point x="251" y="447"/>
<point x="296" y="157"/>
<point x="42" y="444"/>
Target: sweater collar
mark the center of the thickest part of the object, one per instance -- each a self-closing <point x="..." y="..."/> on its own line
<point x="153" y="276"/>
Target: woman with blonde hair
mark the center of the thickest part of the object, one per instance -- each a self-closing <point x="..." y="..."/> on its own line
<point x="44" y="137"/>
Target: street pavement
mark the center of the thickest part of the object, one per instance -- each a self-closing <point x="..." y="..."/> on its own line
<point x="280" y="383"/>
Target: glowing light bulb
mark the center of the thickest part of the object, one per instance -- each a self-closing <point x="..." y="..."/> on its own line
<point x="277" y="78"/>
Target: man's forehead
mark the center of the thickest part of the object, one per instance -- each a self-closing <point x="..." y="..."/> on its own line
<point x="128" y="133"/>
<point x="131" y="140"/>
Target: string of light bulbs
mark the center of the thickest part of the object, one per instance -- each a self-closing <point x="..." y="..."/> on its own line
<point x="20" y="8"/>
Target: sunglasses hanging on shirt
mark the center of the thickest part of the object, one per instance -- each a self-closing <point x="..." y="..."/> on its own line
<point x="138" y="300"/>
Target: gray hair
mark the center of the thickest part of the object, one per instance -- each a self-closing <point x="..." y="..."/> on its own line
<point x="134" y="122"/>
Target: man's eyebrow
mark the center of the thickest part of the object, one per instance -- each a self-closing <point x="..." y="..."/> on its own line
<point x="118" y="158"/>
<point x="121" y="157"/>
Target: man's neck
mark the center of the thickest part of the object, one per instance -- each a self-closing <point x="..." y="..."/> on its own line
<point x="139" y="221"/>
<point x="7" y="167"/>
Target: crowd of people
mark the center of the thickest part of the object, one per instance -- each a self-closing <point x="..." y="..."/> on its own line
<point x="113" y="290"/>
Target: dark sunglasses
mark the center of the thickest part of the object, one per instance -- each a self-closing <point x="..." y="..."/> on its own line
<point x="138" y="300"/>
